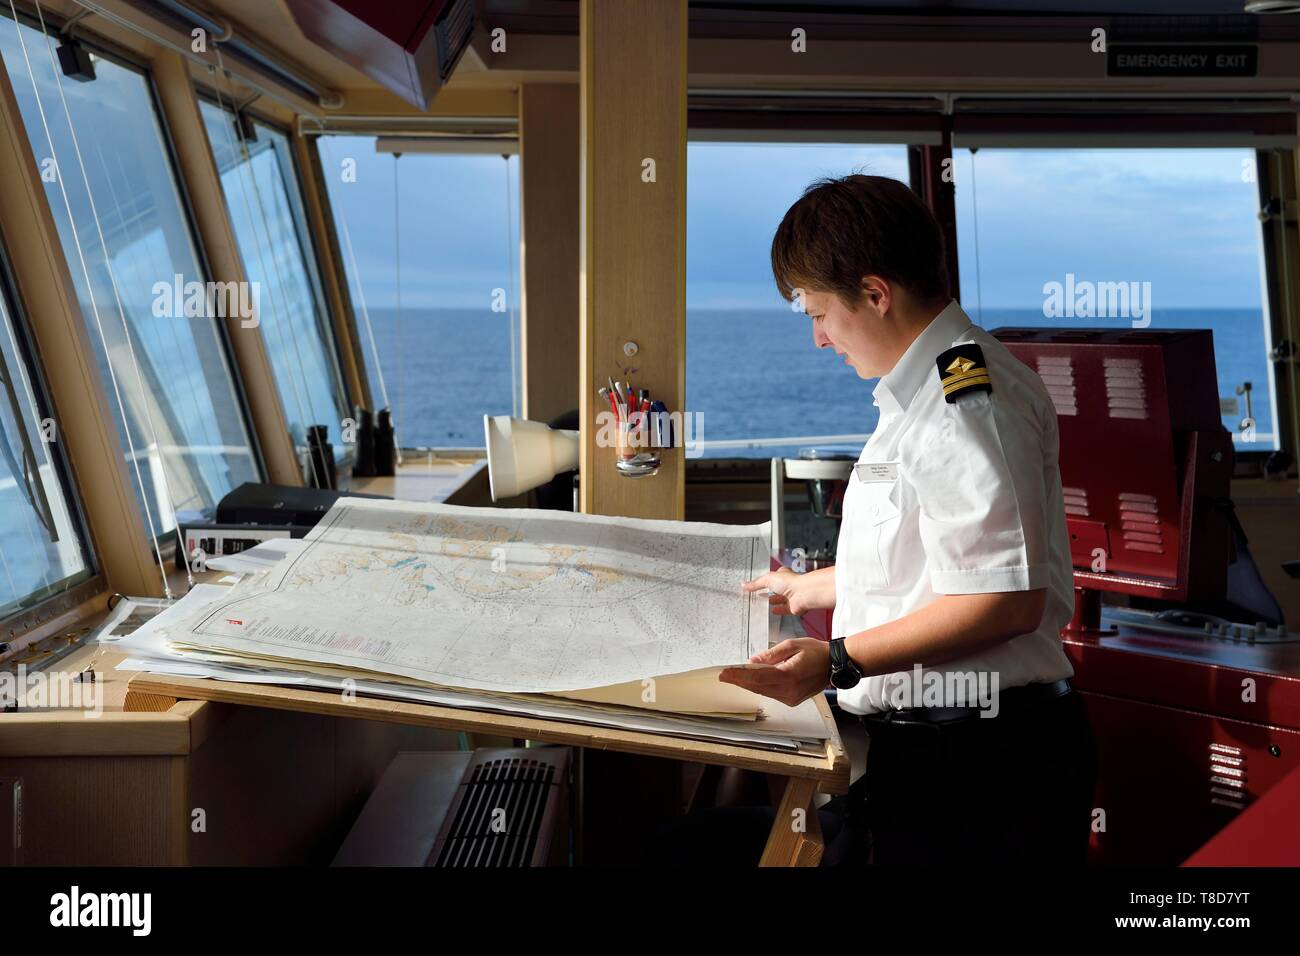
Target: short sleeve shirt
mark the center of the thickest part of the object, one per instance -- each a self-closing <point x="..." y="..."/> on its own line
<point x="959" y="497"/>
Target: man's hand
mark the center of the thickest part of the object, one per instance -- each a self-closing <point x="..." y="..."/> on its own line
<point x="796" y="593"/>
<point x="790" y="672"/>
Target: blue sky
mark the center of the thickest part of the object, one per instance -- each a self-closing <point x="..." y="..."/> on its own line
<point x="1183" y="220"/>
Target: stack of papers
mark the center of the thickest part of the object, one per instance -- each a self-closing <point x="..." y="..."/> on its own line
<point x="607" y="621"/>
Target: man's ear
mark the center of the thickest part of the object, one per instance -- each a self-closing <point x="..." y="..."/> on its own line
<point x="878" y="292"/>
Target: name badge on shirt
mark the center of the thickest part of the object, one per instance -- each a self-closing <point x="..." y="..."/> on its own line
<point x="876" y="470"/>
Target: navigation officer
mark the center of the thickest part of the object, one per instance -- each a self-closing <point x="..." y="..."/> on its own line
<point x="953" y="575"/>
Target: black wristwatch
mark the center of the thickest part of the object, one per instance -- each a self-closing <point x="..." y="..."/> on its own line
<point x="844" y="672"/>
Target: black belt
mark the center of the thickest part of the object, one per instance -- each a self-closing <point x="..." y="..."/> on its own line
<point x="1010" y="701"/>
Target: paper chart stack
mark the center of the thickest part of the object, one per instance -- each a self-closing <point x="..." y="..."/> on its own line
<point x="615" y="621"/>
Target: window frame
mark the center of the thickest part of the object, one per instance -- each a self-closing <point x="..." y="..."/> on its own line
<point x="1276" y="260"/>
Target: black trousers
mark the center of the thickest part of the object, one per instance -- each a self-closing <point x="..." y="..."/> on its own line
<point x="1010" y="790"/>
<point x="1015" y="789"/>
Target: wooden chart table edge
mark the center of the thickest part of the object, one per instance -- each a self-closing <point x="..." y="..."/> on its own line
<point x="795" y="838"/>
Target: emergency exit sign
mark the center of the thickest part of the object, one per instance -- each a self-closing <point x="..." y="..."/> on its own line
<point x="1177" y="59"/>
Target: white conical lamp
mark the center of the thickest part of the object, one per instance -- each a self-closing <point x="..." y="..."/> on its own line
<point x="522" y="455"/>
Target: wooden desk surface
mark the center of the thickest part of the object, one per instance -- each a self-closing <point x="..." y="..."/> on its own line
<point x="829" y="771"/>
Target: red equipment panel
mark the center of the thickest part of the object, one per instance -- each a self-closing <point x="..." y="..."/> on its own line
<point x="1190" y="733"/>
<point x="1144" y="455"/>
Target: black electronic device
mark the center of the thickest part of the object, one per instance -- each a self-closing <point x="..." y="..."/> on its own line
<point x="278" y="505"/>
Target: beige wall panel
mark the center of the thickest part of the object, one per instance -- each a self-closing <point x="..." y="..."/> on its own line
<point x="550" y="202"/>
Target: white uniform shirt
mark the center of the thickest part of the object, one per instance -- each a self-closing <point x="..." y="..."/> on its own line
<point x="963" y="498"/>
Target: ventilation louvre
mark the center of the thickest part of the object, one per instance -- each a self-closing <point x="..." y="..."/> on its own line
<point x="1140" y="523"/>
<point x="1057" y="373"/>
<point x="499" y="817"/>
<point x="1227" y="777"/>
<point x="1126" y="393"/>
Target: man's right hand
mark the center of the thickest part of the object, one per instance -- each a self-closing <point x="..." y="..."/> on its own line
<point x="796" y="593"/>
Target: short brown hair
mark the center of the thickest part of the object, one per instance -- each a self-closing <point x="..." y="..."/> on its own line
<point x="841" y="230"/>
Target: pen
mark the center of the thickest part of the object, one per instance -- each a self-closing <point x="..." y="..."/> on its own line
<point x="613" y="403"/>
<point x="657" y="409"/>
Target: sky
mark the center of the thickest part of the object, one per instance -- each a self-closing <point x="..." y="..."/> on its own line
<point x="1183" y="220"/>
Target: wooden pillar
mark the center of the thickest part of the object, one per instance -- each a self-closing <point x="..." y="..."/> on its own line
<point x="85" y="415"/>
<point x="633" y="238"/>
<point x="320" y="221"/>
<point x="212" y="219"/>
<point x="549" y="206"/>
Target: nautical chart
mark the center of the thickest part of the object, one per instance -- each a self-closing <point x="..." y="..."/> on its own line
<point x="501" y="599"/>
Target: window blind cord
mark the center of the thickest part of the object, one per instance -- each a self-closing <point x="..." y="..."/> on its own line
<point x="510" y="259"/>
<point x="168" y="503"/>
<point x="94" y="308"/>
<point x="361" y="291"/>
<point x="243" y="158"/>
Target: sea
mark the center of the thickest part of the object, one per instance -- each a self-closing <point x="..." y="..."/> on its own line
<point x="753" y="375"/>
<point x="760" y="386"/>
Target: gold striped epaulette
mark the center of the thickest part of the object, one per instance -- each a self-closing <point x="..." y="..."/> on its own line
<point x="962" y="370"/>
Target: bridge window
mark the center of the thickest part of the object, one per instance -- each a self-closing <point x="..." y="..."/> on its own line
<point x="741" y="336"/>
<point x="134" y="264"/>
<point x="430" y="242"/>
<point x="265" y="203"/>
<point x="1175" y="230"/>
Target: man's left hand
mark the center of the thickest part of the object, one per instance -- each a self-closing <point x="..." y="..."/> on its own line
<point x="790" y="672"/>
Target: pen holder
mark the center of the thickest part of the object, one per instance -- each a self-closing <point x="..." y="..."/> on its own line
<point x="633" y="435"/>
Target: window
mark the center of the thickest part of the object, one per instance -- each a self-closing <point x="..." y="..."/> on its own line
<point x="742" y="338"/>
<point x="1178" y="227"/>
<point x="262" y="193"/>
<point x="41" y="546"/>
<point x="430" y="244"/>
<point x="166" y="373"/>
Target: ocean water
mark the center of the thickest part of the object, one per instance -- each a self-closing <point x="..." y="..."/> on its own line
<point x="753" y="373"/>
